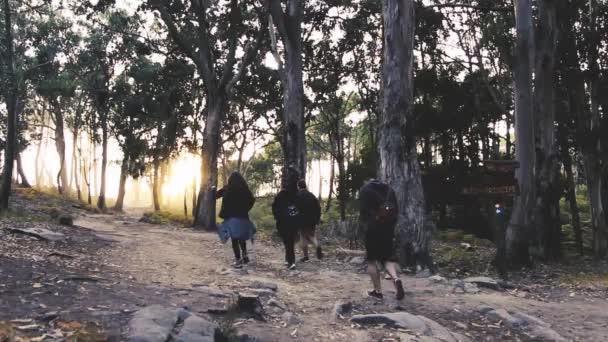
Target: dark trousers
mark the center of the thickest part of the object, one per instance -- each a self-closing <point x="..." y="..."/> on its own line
<point x="239" y="246"/>
<point x="288" y="234"/>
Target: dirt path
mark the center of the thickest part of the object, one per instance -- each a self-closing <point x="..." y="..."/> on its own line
<point x="181" y="259"/>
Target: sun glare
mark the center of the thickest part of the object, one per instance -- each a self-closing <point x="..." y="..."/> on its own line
<point x="184" y="170"/>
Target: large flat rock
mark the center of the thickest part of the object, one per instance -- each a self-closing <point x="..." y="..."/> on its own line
<point x="529" y="325"/>
<point x="419" y="325"/>
<point x="156" y="323"/>
<point x="39" y="233"/>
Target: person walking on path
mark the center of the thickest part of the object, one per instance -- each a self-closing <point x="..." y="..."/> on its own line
<point x="287" y="215"/>
<point x="378" y="215"/>
<point x="237" y="201"/>
<point x="311" y="216"/>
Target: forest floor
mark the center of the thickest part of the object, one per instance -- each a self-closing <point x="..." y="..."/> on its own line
<point x="90" y="283"/>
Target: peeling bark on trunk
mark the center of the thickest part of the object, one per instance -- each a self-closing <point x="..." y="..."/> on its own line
<point x="124" y="172"/>
<point x="396" y="142"/>
<point x="547" y="241"/>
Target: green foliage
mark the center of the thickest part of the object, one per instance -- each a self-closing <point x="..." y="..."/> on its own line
<point x="165" y="217"/>
<point x="261" y="215"/>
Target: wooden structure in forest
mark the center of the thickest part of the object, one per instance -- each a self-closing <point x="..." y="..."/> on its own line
<point x="496" y="183"/>
<point x="496" y="179"/>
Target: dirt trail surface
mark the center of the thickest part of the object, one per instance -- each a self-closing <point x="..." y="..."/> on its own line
<point x="118" y="265"/>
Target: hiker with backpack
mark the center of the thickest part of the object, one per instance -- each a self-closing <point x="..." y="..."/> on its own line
<point x="287" y="216"/>
<point x="236" y="203"/>
<point x="378" y="215"/>
<point x="311" y="216"/>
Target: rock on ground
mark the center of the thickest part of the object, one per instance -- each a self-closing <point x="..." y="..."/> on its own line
<point x="39" y="233"/>
<point x="419" y="325"/>
<point x="484" y="282"/>
<point x="530" y="325"/>
<point x="438" y="279"/>
<point x="341" y="309"/>
<point x="156" y="323"/>
<point x="66" y="220"/>
<point x="358" y="260"/>
<point x="264" y="286"/>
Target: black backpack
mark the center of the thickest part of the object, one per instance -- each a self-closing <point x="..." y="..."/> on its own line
<point x="387" y="212"/>
<point x="292" y="211"/>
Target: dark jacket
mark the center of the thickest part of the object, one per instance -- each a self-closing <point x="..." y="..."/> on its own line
<point x="373" y="195"/>
<point x="237" y="198"/>
<point x="310" y="207"/>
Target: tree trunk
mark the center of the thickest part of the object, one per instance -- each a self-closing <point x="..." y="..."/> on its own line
<point x="593" y="149"/>
<point x="95" y="172"/>
<point x="24" y="182"/>
<point x="509" y="144"/>
<point x="517" y="235"/>
<point x="101" y="200"/>
<point x="290" y="28"/>
<point x="87" y="181"/>
<point x="74" y="173"/>
<point x="571" y="197"/>
<point x="547" y="227"/>
<point x="12" y="106"/>
<point x="320" y="170"/>
<point x="205" y="214"/>
<point x="342" y="193"/>
<point x="124" y="172"/>
<point x="155" y="185"/>
<point x="62" y="185"/>
<point x="332" y="176"/>
<point x="396" y="142"/>
<point x="38" y="166"/>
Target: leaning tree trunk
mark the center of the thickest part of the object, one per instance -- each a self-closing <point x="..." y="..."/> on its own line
<point x="517" y="236"/>
<point x="547" y="241"/>
<point x="101" y="200"/>
<point x="124" y="172"/>
<point x="11" y="105"/>
<point x="62" y="185"/>
<point x="396" y="143"/>
<point x="205" y="214"/>
<point x="24" y="182"/>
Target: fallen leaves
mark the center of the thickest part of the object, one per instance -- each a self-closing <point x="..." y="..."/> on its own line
<point x="69" y="326"/>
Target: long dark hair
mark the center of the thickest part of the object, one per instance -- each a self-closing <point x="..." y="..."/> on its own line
<point x="237" y="182"/>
